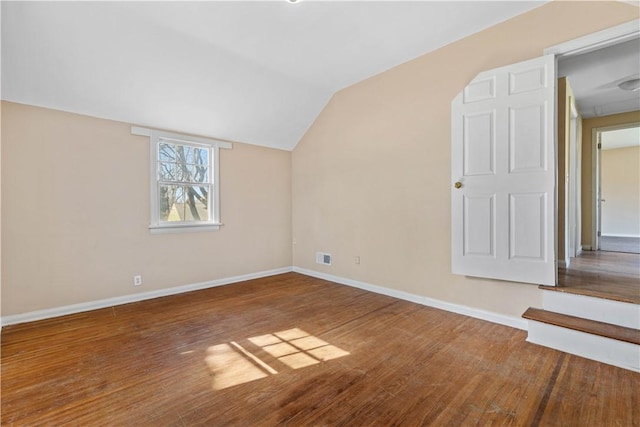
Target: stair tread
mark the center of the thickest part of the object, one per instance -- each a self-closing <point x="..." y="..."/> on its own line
<point x="607" y="330"/>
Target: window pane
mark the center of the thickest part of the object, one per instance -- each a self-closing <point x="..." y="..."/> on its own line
<point x="166" y="152"/>
<point x="183" y="163"/>
<point x="200" y="173"/>
<point x="167" y="171"/>
<point x="184" y="203"/>
<point x="181" y="172"/>
<point x="201" y="156"/>
<point x="185" y="153"/>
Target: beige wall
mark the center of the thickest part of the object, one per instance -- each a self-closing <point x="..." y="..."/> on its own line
<point x="75" y="212"/>
<point x="588" y="126"/>
<point x="621" y="190"/>
<point x="371" y="177"/>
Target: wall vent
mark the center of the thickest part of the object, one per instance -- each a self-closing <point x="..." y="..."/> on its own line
<point x="322" y="258"/>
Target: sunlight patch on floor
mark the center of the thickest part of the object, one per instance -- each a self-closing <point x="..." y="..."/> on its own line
<point x="232" y="364"/>
<point x="230" y="367"/>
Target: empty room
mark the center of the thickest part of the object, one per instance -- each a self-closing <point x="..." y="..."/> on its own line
<point x="319" y="213"/>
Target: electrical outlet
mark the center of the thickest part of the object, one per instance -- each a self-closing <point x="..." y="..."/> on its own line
<point x="137" y="280"/>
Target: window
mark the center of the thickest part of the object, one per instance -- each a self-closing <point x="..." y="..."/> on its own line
<point x="184" y="181"/>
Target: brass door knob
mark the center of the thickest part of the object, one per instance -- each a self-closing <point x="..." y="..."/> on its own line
<point x="458" y="184"/>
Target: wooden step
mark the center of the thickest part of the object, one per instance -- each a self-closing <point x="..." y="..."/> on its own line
<point x="623" y="292"/>
<point x="594" y="327"/>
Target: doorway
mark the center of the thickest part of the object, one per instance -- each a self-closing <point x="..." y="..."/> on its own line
<point x="608" y="267"/>
<point x="598" y="79"/>
<point x="617" y="200"/>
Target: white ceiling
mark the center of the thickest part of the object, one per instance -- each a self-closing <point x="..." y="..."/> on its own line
<point x="254" y="72"/>
<point x="594" y="78"/>
<point x="620" y="138"/>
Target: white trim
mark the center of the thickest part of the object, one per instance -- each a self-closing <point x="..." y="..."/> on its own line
<point x="595" y="189"/>
<point x="562" y="263"/>
<point x="126" y="299"/>
<point x="136" y="130"/>
<point x="574" y="110"/>
<point x="586" y="248"/>
<point x="590" y="42"/>
<point x="156" y="226"/>
<point x="587" y="307"/>
<point x="601" y="349"/>
<point x="183" y="228"/>
<point x="216" y="186"/>
<point x="601" y="39"/>
<point x="514" y="322"/>
<point x="596" y="175"/>
<point x="620" y="235"/>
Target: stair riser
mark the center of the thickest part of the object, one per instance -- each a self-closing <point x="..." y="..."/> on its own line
<point x="606" y="350"/>
<point x="602" y="310"/>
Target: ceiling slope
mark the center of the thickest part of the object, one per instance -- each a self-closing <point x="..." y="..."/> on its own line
<point x="253" y="72"/>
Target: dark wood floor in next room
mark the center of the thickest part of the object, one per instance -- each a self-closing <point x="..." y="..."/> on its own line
<point x="297" y="351"/>
<point x="620" y="244"/>
<point x="611" y="275"/>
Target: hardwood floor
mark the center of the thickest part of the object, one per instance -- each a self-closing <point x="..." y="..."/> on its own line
<point x="297" y="351"/>
<point x="601" y="274"/>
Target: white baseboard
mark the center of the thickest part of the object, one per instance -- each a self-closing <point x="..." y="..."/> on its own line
<point x="585" y="248"/>
<point x="514" y="322"/>
<point x="635" y="236"/>
<point x="562" y="263"/>
<point x="126" y="299"/>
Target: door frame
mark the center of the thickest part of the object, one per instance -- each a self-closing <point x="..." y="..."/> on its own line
<point x="598" y="40"/>
<point x="575" y="175"/>
<point x="596" y="178"/>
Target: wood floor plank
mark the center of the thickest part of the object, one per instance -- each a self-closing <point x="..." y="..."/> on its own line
<point x="386" y="362"/>
<point x="609" y="275"/>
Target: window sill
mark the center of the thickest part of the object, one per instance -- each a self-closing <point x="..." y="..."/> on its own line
<point x="183" y="228"/>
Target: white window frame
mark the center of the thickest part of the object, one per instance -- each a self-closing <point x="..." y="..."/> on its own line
<point x="214" y="146"/>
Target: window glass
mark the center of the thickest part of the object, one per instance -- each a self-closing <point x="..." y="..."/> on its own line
<point x="180" y="166"/>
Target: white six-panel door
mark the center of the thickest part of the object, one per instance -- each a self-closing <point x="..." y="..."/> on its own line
<point x="503" y="161"/>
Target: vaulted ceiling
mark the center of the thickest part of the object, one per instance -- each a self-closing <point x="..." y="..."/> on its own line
<point x="254" y="72"/>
